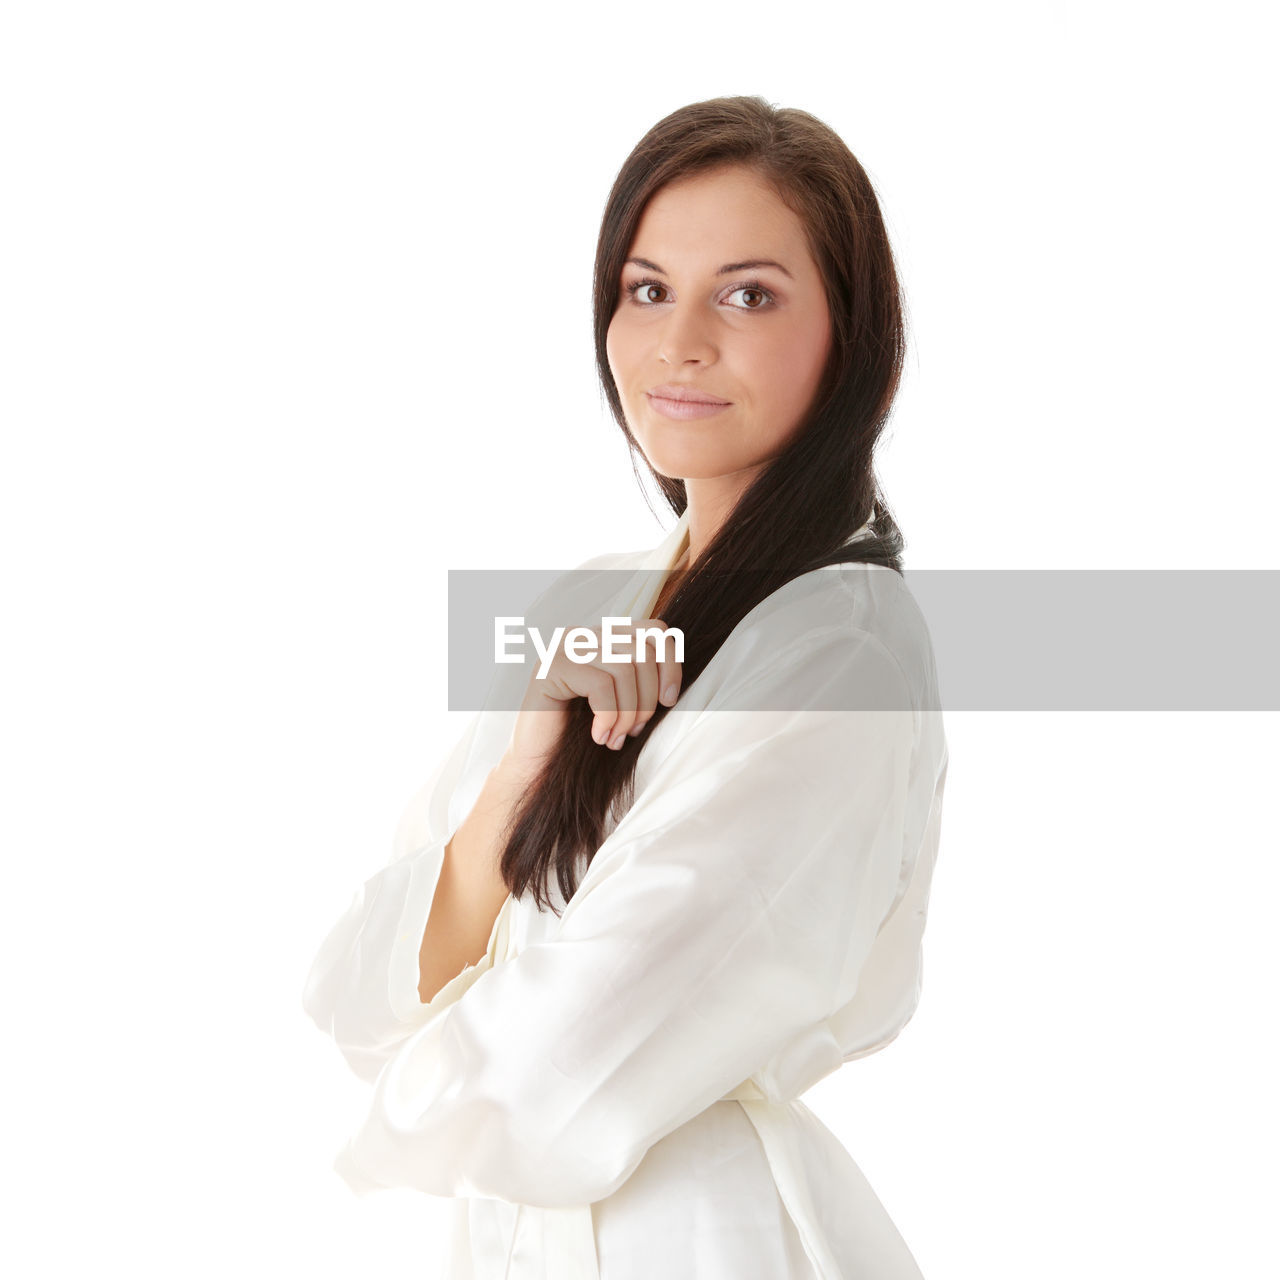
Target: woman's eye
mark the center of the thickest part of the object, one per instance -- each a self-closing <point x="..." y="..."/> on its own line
<point x="758" y="297"/>
<point x="643" y="290"/>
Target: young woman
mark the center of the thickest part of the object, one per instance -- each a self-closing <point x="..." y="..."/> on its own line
<point x="642" y="907"/>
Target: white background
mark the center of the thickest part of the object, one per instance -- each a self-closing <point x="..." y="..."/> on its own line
<point x="296" y="317"/>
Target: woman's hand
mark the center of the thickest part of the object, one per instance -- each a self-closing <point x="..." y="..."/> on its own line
<point x="623" y="694"/>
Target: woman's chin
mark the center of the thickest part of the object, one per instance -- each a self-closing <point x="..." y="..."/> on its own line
<point x="681" y="460"/>
<point x="685" y="468"/>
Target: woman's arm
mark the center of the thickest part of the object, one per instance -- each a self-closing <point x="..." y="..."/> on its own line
<point x="470" y="891"/>
<point x="389" y="949"/>
<point x="719" y="926"/>
<point x="362" y="986"/>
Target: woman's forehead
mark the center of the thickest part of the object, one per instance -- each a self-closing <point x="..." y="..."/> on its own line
<point x="724" y="219"/>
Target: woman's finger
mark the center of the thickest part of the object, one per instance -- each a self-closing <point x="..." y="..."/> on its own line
<point x="626" y="695"/>
<point x="670" y="672"/>
<point x="648" y="676"/>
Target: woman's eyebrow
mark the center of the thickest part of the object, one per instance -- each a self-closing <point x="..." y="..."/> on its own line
<point x="724" y="271"/>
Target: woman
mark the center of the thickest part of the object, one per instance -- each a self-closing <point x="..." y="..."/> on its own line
<point x="641" y="908"/>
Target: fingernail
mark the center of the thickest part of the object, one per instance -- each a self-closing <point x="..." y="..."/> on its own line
<point x="669" y="694"/>
<point x="597" y="732"/>
<point x="635" y="729"/>
<point x="617" y="740"/>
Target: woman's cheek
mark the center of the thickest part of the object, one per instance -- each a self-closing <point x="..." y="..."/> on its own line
<point x="617" y="345"/>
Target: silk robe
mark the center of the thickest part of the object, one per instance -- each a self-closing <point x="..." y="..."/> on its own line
<point x="615" y="1093"/>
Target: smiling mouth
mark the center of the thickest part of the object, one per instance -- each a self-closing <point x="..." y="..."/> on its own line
<point x="683" y="395"/>
<point x="685" y="410"/>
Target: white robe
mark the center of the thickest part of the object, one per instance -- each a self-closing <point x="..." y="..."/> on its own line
<point x="614" y="1094"/>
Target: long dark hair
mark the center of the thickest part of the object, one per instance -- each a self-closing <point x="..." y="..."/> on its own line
<point x="802" y="508"/>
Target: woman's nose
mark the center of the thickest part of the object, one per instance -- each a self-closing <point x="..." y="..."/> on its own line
<point x="686" y="335"/>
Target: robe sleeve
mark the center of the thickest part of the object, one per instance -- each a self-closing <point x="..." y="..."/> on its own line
<point x="720" y="924"/>
<point x="362" y="987"/>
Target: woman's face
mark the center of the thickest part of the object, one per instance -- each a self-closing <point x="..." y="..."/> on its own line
<point x="700" y="310"/>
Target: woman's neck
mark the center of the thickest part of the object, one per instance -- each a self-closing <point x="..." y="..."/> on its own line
<point x="672" y="584"/>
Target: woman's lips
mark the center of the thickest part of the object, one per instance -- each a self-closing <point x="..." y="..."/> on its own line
<point x="682" y="410"/>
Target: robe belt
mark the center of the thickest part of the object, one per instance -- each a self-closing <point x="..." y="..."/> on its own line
<point x="567" y="1235"/>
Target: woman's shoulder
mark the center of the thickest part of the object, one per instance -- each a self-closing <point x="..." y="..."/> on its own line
<point x="850" y="598"/>
<point x="862" y="618"/>
<point x="880" y="603"/>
